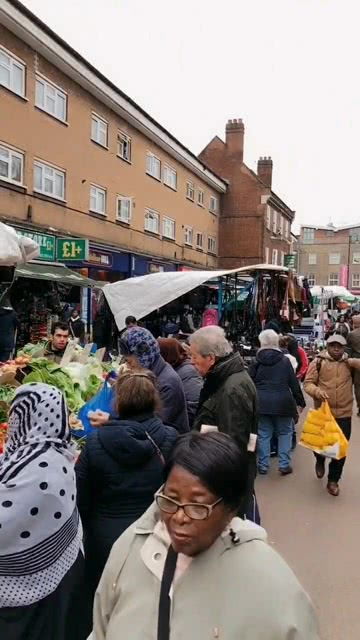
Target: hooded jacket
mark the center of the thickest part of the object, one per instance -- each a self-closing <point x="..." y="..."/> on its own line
<point x="229" y="591"/>
<point x="335" y="378"/>
<point x="278" y="389"/>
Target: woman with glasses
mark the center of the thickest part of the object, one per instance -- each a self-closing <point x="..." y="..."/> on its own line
<point x="190" y="569"/>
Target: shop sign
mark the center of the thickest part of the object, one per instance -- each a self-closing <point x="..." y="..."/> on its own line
<point x="290" y="260"/>
<point x="99" y="258"/>
<point x="72" y="249"/>
<point x="46" y="243"/>
<point x="155" y="268"/>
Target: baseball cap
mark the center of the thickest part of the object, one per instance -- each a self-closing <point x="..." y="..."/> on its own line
<point x="337" y="338"/>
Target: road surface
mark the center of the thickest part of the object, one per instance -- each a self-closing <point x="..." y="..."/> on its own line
<point x="319" y="535"/>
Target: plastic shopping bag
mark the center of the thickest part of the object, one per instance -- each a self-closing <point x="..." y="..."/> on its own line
<point x="102" y="401"/>
<point x="322" y="434"/>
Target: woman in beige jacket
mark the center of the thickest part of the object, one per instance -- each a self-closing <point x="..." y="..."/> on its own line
<point x="189" y="569"/>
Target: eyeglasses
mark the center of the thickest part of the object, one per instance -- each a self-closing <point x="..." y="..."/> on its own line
<point x="193" y="510"/>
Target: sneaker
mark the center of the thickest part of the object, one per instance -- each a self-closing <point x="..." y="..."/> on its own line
<point x="333" y="488"/>
<point x="320" y="468"/>
<point x="286" y="471"/>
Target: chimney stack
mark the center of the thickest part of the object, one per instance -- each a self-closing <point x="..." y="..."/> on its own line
<point x="264" y="170"/>
<point x="235" y="139"/>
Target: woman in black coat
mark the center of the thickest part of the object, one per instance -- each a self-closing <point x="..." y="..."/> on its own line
<point x="119" y="470"/>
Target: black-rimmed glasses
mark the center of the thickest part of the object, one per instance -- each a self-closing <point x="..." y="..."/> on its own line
<point x="193" y="510"/>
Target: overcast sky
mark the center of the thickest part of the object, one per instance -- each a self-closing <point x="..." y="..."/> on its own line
<point x="289" y="68"/>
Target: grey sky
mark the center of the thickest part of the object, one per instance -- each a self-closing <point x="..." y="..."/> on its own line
<point x="289" y="68"/>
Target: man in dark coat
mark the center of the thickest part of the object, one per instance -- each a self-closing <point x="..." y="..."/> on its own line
<point x="228" y="399"/>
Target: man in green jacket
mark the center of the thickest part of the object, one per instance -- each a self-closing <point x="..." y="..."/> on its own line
<point x="55" y="347"/>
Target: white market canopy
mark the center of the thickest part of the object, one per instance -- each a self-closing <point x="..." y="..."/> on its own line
<point x="141" y="295"/>
<point x="332" y="291"/>
<point x="16" y="249"/>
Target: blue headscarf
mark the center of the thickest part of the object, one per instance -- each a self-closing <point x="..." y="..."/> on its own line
<point x="142" y="344"/>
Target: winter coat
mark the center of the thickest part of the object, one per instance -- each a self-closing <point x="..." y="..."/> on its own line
<point x="172" y="396"/>
<point x="353" y="341"/>
<point x="77" y="328"/>
<point x="304" y="364"/>
<point x="117" y="473"/>
<point x="52" y="354"/>
<point x="232" y="591"/>
<point x="278" y="389"/>
<point x="192" y="383"/>
<point x="8" y="326"/>
<point x="335" y="378"/>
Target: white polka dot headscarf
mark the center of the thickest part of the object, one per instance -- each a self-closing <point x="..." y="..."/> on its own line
<point x="40" y="529"/>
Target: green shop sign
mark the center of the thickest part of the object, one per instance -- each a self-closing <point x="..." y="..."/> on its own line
<point x="72" y="249"/>
<point x="290" y="260"/>
<point x="46" y="243"/>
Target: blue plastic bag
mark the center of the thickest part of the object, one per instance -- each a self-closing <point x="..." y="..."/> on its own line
<point x="102" y="401"/>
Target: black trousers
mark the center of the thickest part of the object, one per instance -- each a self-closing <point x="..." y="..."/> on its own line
<point x="336" y="466"/>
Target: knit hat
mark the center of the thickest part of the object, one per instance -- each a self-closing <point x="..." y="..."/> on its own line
<point x="142" y="344"/>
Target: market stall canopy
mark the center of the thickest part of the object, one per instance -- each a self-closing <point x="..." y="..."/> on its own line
<point x="55" y="273"/>
<point x="141" y="295"/>
<point x="334" y="291"/>
<point x="15" y="249"/>
<point x="263" y="267"/>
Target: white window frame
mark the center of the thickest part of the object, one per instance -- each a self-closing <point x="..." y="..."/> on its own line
<point x="274" y="256"/>
<point x="121" y="203"/>
<point x="267" y="254"/>
<point x="190" y="190"/>
<point x="281" y="225"/>
<point x="355" y="280"/>
<point x="333" y="279"/>
<point x="59" y="94"/>
<point x="356" y="257"/>
<point x="308" y="235"/>
<point x="268" y="217"/>
<point x="212" y="245"/>
<point x="282" y="258"/>
<point x="154" y="216"/>
<point x="153" y="166"/>
<point x="199" y="245"/>
<point x="274" y="220"/>
<point x="14" y="62"/>
<point x="170" y="177"/>
<point x="95" y="192"/>
<point x="334" y="258"/>
<point x="201" y="198"/>
<point x="189" y="236"/>
<point x="287" y="229"/>
<point x="97" y="129"/>
<point x="168" y="228"/>
<point x="13" y="155"/>
<point x="214" y="204"/>
<point x="312" y="258"/>
<point x="54" y="172"/>
<point x="124" y="146"/>
<point x="311" y="279"/>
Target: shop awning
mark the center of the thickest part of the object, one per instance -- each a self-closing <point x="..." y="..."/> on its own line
<point x="55" y="273"/>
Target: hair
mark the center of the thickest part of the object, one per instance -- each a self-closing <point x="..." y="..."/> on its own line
<point x="136" y="393"/>
<point x="59" y="325"/>
<point x="211" y="341"/>
<point x="172" y="351"/>
<point x="284" y="342"/>
<point x="130" y="320"/>
<point x="356" y="320"/>
<point x="217" y="461"/>
<point x="269" y="339"/>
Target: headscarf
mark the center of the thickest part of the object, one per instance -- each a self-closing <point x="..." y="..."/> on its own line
<point x="172" y="351"/>
<point x="40" y="529"/>
<point x="139" y="342"/>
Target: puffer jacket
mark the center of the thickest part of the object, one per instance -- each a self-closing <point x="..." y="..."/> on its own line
<point x="192" y="383"/>
<point x="335" y="378"/>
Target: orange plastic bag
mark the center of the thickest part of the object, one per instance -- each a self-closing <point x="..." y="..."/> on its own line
<point x="322" y="434"/>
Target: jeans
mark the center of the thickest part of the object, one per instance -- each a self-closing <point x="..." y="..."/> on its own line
<point x="282" y="427"/>
<point x="336" y="466"/>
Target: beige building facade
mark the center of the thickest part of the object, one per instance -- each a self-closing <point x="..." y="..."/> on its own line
<point x="79" y="158"/>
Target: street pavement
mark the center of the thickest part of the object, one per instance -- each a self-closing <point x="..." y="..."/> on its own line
<point x="319" y="535"/>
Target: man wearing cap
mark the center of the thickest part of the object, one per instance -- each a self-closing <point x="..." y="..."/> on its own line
<point x="329" y="377"/>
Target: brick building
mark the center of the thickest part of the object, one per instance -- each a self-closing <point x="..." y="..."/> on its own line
<point x="255" y="223"/>
<point x="78" y="157"/>
<point x="330" y="256"/>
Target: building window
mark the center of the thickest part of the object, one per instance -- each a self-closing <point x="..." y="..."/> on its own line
<point x="333" y="279"/>
<point x="286" y="228"/>
<point x="211" y="245"/>
<point x="356" y="257"/>
<point x="124" y="146"/>
<point x="153" y="166"/>
<point x="12" y="73"/>
<point x="11" y="165"/>
<point x="201" y="198"/>
<point x="199" y="240"/>
<point x="190" y="191"/>
<point x="334" y="258"/>
<point x="308" y="235"/>
<point x="274" y="224"/>
<point x="98" y="200"/>
<point x="170" y="177"/>
<point x="268" y="217"/>
<point x="152" y="221"/>
<point x="168" y="228"/>
<point x="282" y="258"/>
<point x="189" y="235"/>
<point x="123" y="213"/>
<point x="312" y="258"/>
<point x="311" y="279"/>
<point x="274" y="257"/>
<point x="281" y="224"/>
<point x="267" y="251"/>
<point x="99" y="130"/>
<point x="356" y="280"/>
<point x="213" y="204"/>
<point x="49" y="180"/>
<point x="50" y="99"/>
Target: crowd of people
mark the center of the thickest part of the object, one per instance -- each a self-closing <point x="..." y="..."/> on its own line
<point x="132" y="540"/>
